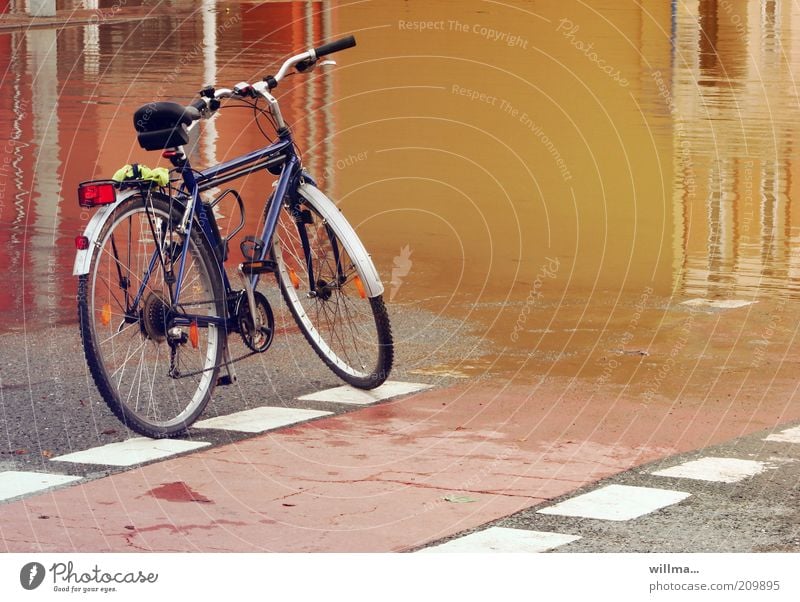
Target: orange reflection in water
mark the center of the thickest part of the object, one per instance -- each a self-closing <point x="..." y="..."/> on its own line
<point x="545" y="161"/>
<point x="735" y="110"/>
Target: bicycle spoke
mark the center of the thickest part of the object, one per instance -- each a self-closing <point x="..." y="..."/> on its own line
<point x="118" y="333"/>
<point x="128" y="356"/>
<point x="137" y="251"/>
<point x="343" y="328"/>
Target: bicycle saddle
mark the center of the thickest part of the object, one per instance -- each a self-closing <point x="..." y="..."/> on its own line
<point x="162" y="125"/>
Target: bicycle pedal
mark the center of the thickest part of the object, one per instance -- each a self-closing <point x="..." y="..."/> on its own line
<point x="250" y="268"/>
<point x="225" y="380"/>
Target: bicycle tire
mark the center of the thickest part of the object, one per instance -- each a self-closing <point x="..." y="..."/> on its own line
<point x="364" y="320"/>
<point x="132" y="367"/>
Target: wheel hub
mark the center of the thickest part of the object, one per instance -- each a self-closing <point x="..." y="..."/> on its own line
<point x="257" y="339"/>
<point x="323" y="290"/>
<point x="155" y="316"/>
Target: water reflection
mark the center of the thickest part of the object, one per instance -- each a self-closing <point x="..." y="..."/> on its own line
<point x="736" y="112"/>
<point x="66" y="100"/>
<point x="447" y="148"/>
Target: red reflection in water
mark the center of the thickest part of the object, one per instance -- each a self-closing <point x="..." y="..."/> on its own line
<point x="66" y="101"/>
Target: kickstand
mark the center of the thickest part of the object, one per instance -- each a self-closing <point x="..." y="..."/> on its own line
<point x="230" y="377"/>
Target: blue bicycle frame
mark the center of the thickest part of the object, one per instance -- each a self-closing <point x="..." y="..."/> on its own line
<point x="281" y="153"/>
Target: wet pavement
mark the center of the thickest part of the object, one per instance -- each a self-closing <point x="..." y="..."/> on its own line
<point x="409" y="472"/>
<point x="754" y="514"/>
<point x="582" y="214"/>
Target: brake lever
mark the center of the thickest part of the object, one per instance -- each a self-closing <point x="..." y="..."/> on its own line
<point x="305" y="66"/>
<point x="308" y="65"/>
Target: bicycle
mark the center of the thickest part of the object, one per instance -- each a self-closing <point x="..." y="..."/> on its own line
<point x="155" y="302"/>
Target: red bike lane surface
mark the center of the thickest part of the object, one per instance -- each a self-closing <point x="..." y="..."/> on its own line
<point x="385" y="478"/>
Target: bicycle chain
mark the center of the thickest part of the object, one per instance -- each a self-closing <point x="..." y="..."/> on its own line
<point x="175" y="373"/>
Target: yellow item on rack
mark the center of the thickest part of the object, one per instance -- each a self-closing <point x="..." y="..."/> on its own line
<point x="158" y="175"/>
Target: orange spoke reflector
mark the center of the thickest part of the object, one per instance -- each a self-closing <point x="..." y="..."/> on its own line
<point x="293" y="277"/>
<point x="194" y="334"/>
<point x="105" y="314"/>
<point x="360" y="287"/>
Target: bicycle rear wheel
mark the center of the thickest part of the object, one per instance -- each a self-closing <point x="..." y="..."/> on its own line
<point x="156" y="382"/>
<point x="324" y="289"/>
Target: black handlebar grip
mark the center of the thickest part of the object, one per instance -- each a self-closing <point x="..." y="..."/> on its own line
<point x="335" y="46"/>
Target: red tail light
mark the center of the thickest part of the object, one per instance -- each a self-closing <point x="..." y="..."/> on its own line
<point x="81" y="243"/>
<point x="92" y="194"/>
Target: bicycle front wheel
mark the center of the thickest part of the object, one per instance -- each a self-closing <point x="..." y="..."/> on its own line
<point x="324" y="288"/>
<point x="155" y="377"/>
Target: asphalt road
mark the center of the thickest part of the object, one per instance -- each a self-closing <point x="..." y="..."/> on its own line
<point x="757" y="514"/>
<point x="49" y="405"/>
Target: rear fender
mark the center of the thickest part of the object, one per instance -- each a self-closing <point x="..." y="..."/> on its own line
<point x="83" y="258"/>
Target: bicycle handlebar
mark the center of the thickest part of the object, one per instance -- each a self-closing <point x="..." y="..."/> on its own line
<point x="199" y="104"/>
<point x="335" y="46"/>
<point x="208" y="103"/>
<point x="309" y="57"/>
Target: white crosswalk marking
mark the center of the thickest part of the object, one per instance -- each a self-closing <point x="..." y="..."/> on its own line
<point x="502" y="539"/>
<point x="351" y="395"/>
<point x="791" y="435"/>
<point x="14" y="483"/>
<point x="259" y="420"/>
<point x="723" y="470"/>
<point x="131" y="452"/>
<point x="617" y="502"/>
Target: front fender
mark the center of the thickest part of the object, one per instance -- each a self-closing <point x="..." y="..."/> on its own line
<point x="344" y="231"/>
<point x="83" y="258"/>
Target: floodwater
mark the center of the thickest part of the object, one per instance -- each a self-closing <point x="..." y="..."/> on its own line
<point x="535" y="171"/>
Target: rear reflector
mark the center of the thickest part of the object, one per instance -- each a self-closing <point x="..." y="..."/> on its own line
<point x="81" y="243"/>
<point x="194" y="334"/>
<point x="92" y="194"/>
